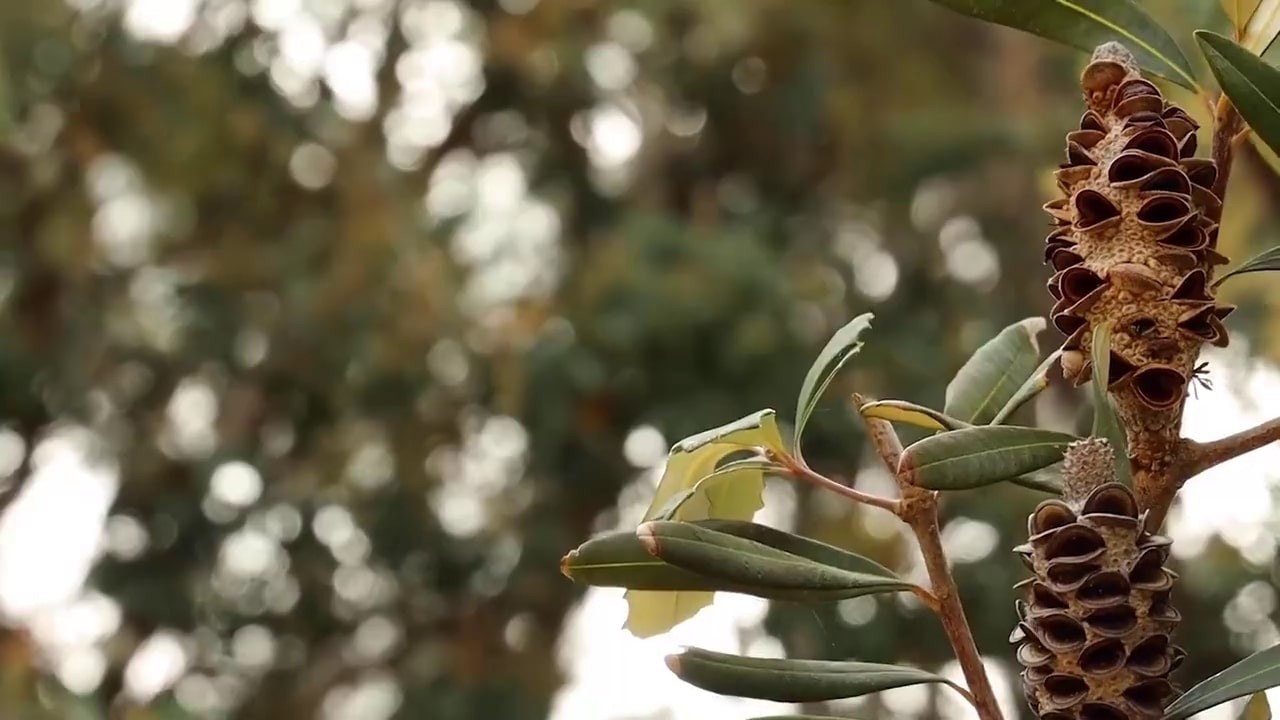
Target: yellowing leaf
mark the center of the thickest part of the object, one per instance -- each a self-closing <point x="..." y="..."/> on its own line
<point x="1262" y="26"/>
<point x="1240" y="12"/>
<point x="899" y="411"/>
<point x="696" y="457"/>
<point x="736" y="495"/>
<point x="1257" y="708"/>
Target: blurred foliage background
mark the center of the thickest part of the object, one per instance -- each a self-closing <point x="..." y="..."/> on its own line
<point x="358" y="314"/>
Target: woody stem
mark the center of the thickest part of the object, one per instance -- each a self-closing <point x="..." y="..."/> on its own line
<point x="918" y="508"/>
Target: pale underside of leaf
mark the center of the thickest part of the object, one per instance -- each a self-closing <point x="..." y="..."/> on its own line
<point x="1262" y="25"/>
<point x="1240" y="13"/>
<point x="900" y="411"/>
<point x="732" y="498"/>
<point x="1257" y="708"/>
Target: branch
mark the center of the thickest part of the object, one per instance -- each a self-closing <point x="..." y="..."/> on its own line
<point x="803" y="472"/>
<point x="919" y="510"/>
<point x="1226" y="129"/>
<point x="1197" y="457"/>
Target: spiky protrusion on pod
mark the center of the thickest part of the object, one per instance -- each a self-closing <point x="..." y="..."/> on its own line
<point x="1134" y="242"/>
<point x="1093" y="635"/>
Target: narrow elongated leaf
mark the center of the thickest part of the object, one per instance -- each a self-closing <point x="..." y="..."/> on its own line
<point x="1085" y="24"/>
<point x="691" y="460"/>
<point x="991" y="377"/>
<point x="911" y="414"/>
<point x="620" y="559"/>
<point x="1263" y="25"/>
<point x="1252" y="85"/>
<point x="1105" y="423"/>
<point x="1044" y="481"/>
<point x="798" y="718"/>
<point x="1257" y="708"/>
<point x="763" y="570"/>
<point x="839" y="349"/>
<point x="1240" y="12"/>
<point x="807" y="548"/>
<point x="785" y="680"/>
<point x="1266" y="261"/>
<point x="1032" y="387"/>
<point x="974" y="457"/>
<point x="1260" y="671"/>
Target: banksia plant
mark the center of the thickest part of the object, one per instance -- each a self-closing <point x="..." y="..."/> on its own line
<point x="1133" y="279"/>
<point x="1094" y="630"/>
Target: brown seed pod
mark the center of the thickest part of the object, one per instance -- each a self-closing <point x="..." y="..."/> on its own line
<point x="1093" y="635"/>
<point x="1135" y="243"/>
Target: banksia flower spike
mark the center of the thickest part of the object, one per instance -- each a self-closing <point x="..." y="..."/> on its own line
<point x="1094" y="629"/>
<point x="1134" y="242"/>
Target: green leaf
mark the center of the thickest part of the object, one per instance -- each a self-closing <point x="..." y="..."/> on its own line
<point x="691" y="460"/>
<point x="1257" y="708"/>
<point x="1266" y="261"/>
<point x="757" y="568"/>
<point x="620" y="559"/>
<point x="992" y="376"/>
<point x="1086" y="24"/>
<point x="808" y="548"/>
<point x="1032" y="387"/>
<point x="798" y="718"/>
<point x="1105" y="423"/>
<point x="1252" y="85"/>
<point x="978" y="456"/>
<point x="842" y="346"/>
<point x="1255" y="673"/>
<point x="786" y="680"/>
<point x="911" y="414"/>
<point x="1042" y="480"/>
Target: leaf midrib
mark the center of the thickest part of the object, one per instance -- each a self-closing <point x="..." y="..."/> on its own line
<point x="989" y="451"/>
<point x="1137" y="40"/>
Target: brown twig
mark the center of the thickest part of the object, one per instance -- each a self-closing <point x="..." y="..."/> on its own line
<point x="1196" y="457"/>
<point x="918" y="508"/>
<point x="1228" y="130"/>
<point x="1226" y="126"/>
<point x="1192" y="458"/>
<point x="802" y="472"/>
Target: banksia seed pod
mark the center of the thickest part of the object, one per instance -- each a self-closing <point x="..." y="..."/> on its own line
<point x="1135" y="242"/>
<point x="1094" y="628"/>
